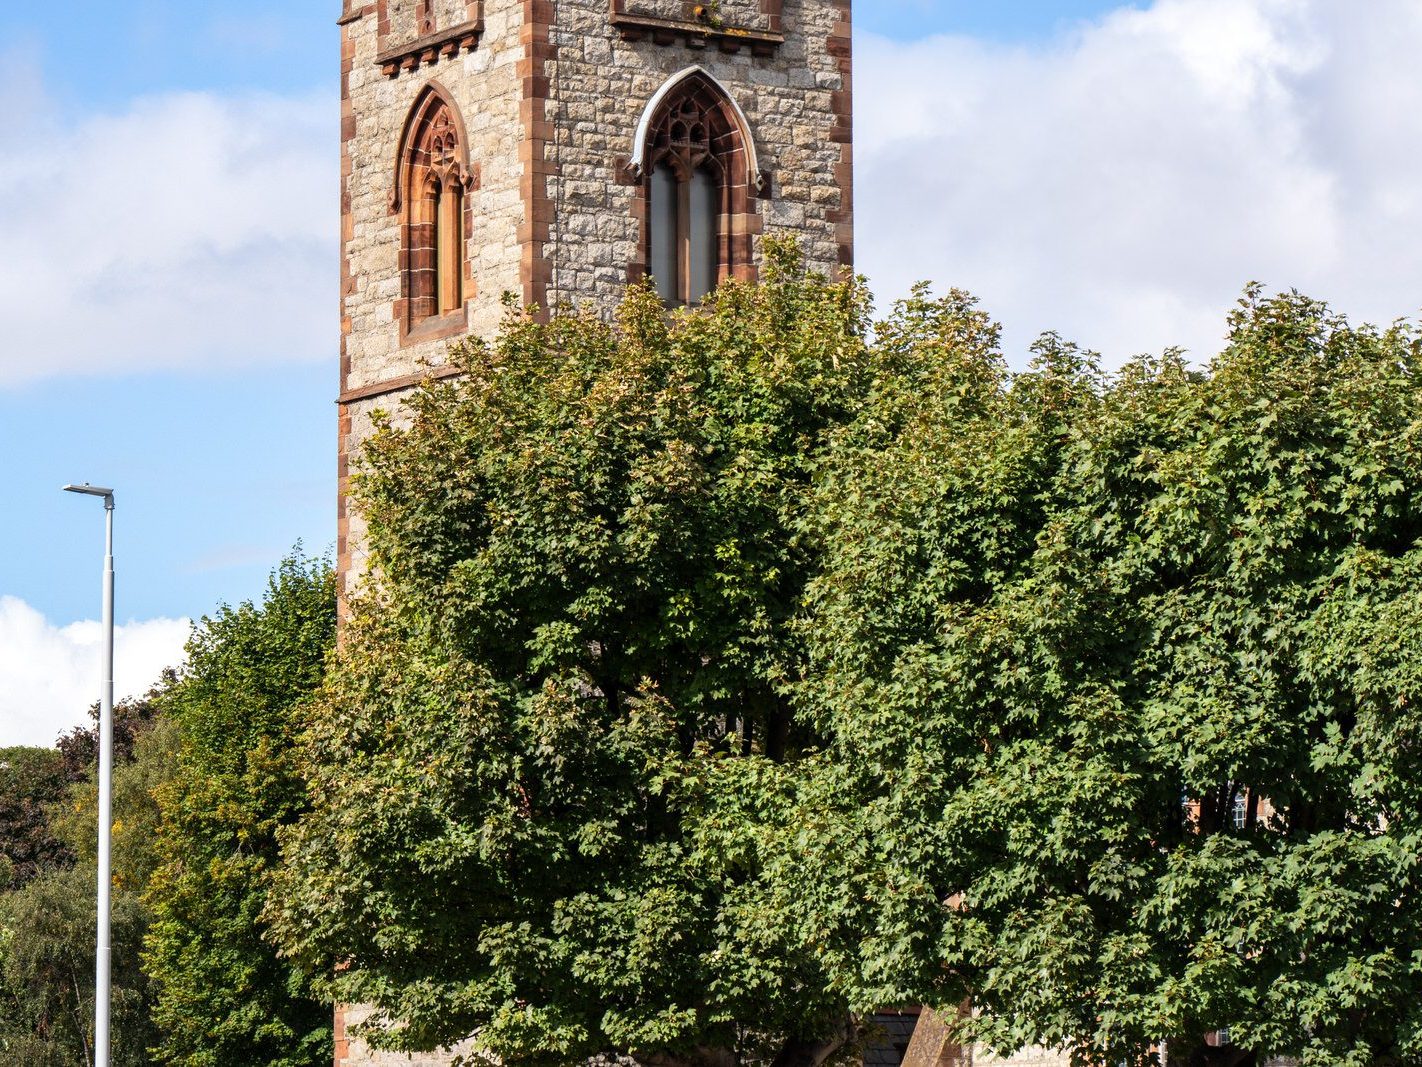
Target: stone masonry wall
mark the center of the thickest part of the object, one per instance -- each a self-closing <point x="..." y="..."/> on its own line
<point x="1032" y="1057"/>
<point x="400" y="22"/>
<point x="352" y="1052"/>
<point x="599" y="85"/>
<point x="448" y="12"/>
<point x="484" y="83"/>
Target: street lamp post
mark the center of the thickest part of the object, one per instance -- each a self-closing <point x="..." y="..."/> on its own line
<point x="106" y="775"/>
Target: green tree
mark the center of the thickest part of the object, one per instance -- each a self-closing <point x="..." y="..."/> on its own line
<point x="223" y="997"/>
<point x="587" y="568"/>
<point x="31" y="779"/>
<point x="47" y="926"/>
<point x="79" y="748"/>
<point x="1120" y="679"/>
<point x="723" y="678"/>
<point x="47" y="973"/>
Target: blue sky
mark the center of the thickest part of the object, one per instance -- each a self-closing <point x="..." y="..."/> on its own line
<point x="218" y="474"/>
<point x="1114" y="171"/>
<point x="1004" y="21"/>
<point x="119" y="49"/>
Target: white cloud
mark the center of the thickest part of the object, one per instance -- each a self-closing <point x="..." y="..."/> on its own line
<point x="185" y="231"/>
<point x="1122" y="182"/>
<point x="51" y="673"/>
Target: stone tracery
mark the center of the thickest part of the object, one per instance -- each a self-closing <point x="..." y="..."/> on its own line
<point x="696" y="190"/>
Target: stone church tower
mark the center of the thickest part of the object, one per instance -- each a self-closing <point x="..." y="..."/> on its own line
<point x="557" y="149"/>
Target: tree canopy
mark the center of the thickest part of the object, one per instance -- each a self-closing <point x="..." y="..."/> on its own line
<point x="587" y="572"/>
<point x="202" y="777"/>
<point x="1119" y="676"/>
<point x="31" y="779"/>
<point x="722" y="678"/>
<point x="222" y="995"/>
<point x="47" y="923"/>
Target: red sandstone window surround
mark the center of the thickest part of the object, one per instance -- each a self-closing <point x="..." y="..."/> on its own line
<point x="698" y="190"/>
<point x="433" y="181"/>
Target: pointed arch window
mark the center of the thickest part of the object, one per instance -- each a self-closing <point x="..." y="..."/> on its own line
<point x="697" y="190"/>
<point x="432" y="186"/>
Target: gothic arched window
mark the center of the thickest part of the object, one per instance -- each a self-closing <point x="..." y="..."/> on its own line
<point x="432" y="183"/>
<point x="697" y="188"/>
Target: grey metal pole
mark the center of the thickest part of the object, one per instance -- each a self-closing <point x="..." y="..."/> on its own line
<point x="102" y="957"/>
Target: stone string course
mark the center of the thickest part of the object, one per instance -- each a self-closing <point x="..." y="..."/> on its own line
<point x="745" y="14"/>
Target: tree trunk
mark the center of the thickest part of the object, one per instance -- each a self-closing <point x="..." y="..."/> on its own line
<point x="701" y="1057"/>
<point x="801" y="1053"/>
<point x="1199" y="1054"/>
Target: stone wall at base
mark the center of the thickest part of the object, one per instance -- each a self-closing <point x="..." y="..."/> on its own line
<point x="352" y="1052"/>
<point x="1032" y="1057"/>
